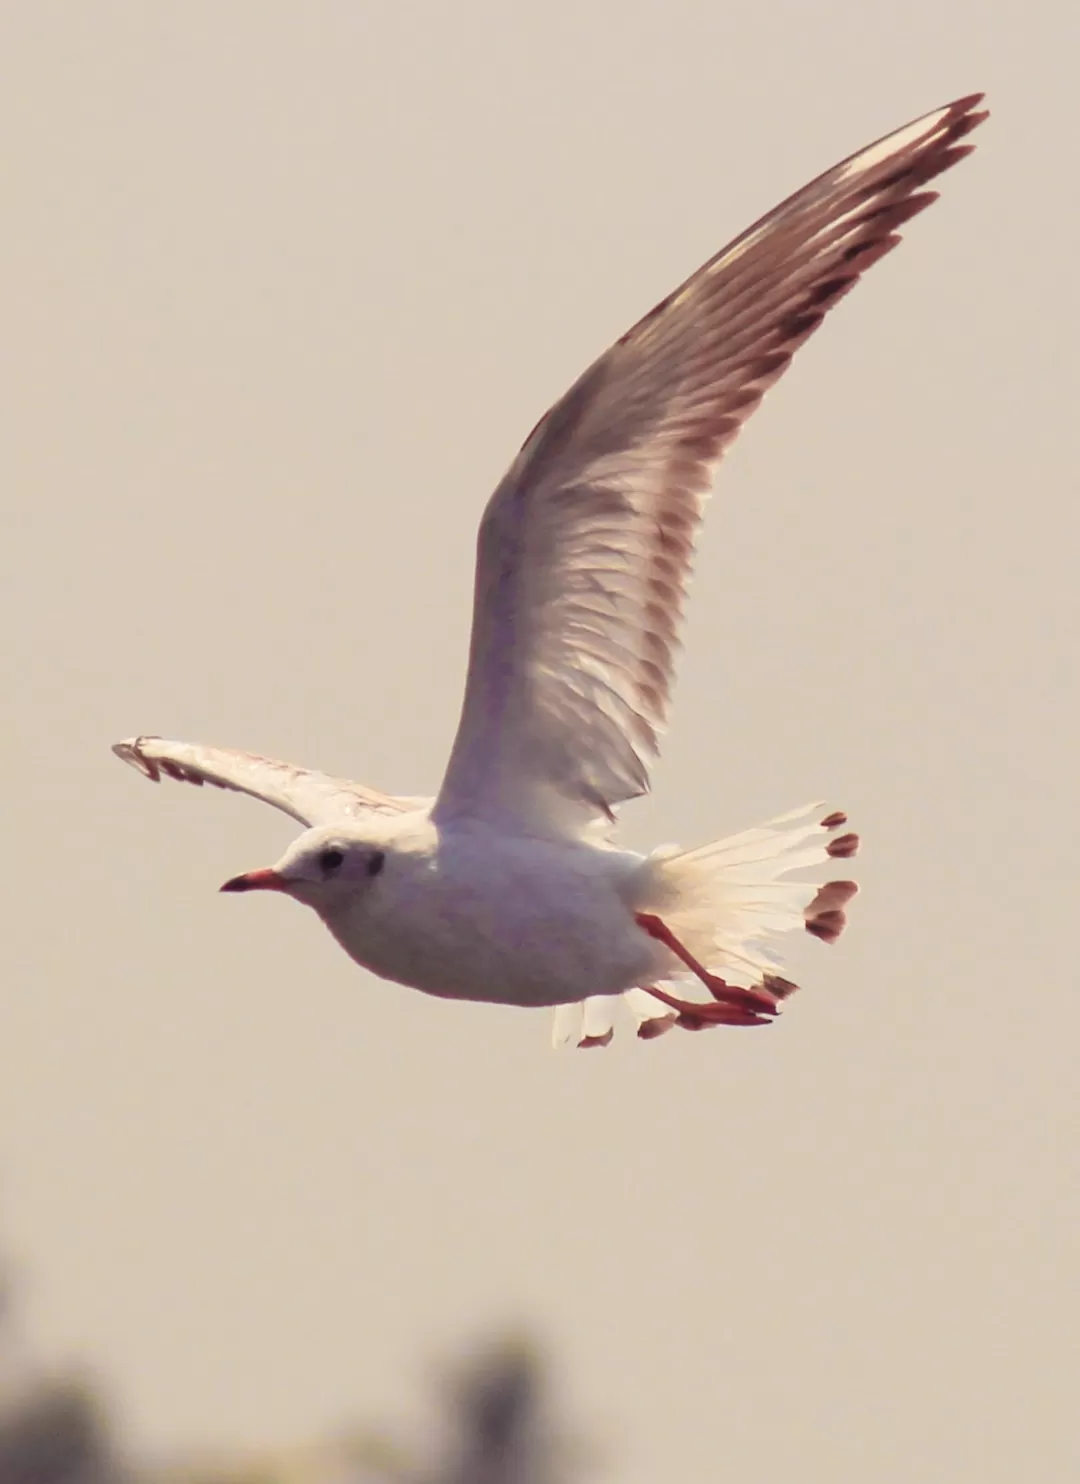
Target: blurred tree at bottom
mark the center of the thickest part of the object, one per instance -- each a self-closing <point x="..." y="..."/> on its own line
<point x="498" y="1429"/>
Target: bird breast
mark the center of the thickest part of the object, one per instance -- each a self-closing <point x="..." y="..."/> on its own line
<point x="478" y="916"/>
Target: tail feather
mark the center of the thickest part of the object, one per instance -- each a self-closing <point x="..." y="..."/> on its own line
<point x="592" y="1022"/>
<point x="825" y="916"/>
<point x="725" y="901"/>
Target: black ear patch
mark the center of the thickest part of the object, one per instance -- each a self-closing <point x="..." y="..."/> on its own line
<point x="376" y="862"/>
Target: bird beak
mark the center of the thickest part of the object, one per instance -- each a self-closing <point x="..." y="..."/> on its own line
<point x="265" y="880"/>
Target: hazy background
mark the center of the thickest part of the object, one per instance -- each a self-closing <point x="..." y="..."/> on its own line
<point x="284" y="288"/>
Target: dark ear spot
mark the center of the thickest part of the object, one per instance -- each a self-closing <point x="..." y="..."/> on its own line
<point x="376" y="862"/>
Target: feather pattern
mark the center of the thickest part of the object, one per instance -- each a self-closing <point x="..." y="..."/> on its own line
<point x="585" y="548"/>
<point x="311" y="797"/>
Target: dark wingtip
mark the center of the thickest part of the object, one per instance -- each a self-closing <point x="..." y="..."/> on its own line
<point x="648" y="1030"/>
<point x="825" y="917"/>
<point x="843" y="847"/>
<point x="778" y="986"/>
<point x="130" y="752"/>
<point x="967" y="105"/>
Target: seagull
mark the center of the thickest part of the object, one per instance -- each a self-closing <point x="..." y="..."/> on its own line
<point x="508" y="886"/>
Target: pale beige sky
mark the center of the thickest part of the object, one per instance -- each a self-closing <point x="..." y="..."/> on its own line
<point x="285" y="286"/>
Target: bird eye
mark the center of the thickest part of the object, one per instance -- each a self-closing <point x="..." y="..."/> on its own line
<point x="331" y="860"/>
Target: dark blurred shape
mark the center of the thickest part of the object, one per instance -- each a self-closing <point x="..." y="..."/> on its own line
<point x="55" y="1434"/>
<point x="505" y="1431"/>
<point x="501" y="1401"/>
<point x="498" y="1429"/>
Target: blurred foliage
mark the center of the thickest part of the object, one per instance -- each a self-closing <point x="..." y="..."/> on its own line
<point x="496" y="1429"/>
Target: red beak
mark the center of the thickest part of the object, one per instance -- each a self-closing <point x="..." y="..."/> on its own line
<point x="265" y="880"/>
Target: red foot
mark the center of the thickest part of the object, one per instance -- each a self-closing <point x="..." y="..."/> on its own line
<point x="751" y="1004"/>
<point x="692" y="1015"/>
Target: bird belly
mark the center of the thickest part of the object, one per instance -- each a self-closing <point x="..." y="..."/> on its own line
<point x="515" y="922"/>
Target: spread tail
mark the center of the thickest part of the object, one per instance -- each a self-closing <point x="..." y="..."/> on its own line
<point x="725" y="902"/>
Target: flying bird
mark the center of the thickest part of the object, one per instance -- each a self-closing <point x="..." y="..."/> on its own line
<point x="508" y="886"/>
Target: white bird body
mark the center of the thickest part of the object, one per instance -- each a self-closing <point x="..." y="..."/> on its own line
<point x="508" y="887"/>
<point x="476" y="914"/>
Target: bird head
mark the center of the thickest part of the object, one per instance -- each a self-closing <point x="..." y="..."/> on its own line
<point x="322" y="867"/>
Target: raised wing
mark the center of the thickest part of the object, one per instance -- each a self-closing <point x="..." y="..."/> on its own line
<point x="585" y="548"/>
<point x="312" y="798"/>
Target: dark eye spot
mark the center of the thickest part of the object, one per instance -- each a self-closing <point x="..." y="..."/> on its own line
<point x="331" y="860"/>
<point x="376" y="862"/>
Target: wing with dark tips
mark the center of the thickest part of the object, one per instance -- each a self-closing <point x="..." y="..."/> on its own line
<point x="312" y="798"/>
<point x="585" y="548"/>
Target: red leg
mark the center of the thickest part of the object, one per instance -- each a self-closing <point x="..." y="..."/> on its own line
<point x="693" y="1015"/>
<point x="749" y="1001"/>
